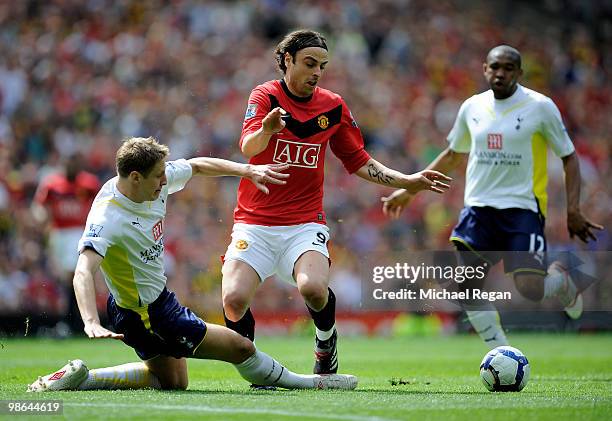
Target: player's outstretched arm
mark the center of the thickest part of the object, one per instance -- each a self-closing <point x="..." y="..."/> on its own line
<point x="396" y="202"/>
<point x="257" y="142"/>
<point x="258" y="174"/>
<point x="84" y="289"/>
<point x="577" y="223"/>
<point x="377" y="173"/>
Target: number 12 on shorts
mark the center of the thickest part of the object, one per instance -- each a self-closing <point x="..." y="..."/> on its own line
<point x="537" y="245"/>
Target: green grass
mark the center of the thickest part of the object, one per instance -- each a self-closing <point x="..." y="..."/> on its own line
<point x="571" y="378"/>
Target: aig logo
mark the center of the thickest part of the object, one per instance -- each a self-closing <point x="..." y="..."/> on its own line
<point x="494" y="141"/>
<point x="297" y="154"/>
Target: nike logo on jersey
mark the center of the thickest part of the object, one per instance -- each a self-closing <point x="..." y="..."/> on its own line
<point x="137" y="224"/>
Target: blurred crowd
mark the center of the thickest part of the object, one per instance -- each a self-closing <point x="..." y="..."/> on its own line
<point x="79" y="76"/>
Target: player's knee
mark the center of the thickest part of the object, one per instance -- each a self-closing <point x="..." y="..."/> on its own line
<point x="530" y="286"/>
<point x="235" y="304"/>
<point x="314" y="291"/>
<point x="244" y="348"/>
<point x="240" y="349"/>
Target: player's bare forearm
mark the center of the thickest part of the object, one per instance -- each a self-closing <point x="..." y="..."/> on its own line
<point x="447" y="161"/>
<point x="396" y="202"/>
<point x="376" y="172"/>
<point x="255" y="143"/>
<point x="83" y="283"/>
<point x="577" y="224"/>
<point x="258" y="174"/>
<point x="85" y="292"/>
<point x="571" y="167"/>
<point x="216" y="167"/>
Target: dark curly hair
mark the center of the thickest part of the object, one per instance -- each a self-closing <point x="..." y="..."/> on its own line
<point x="296" y="41"/>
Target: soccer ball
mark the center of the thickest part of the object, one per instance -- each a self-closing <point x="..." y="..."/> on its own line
<point x="504" y="369"/>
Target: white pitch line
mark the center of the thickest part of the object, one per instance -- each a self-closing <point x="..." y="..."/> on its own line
<point x="225" y="410"/>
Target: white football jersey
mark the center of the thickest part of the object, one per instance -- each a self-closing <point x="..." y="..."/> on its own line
<point x="507" y="145"/>
<point x="130" y="237"/>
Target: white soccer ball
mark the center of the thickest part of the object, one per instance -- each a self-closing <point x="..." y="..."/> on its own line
<point x="504" y="369"/>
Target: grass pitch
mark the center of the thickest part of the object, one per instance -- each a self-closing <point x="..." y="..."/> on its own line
<point x="407" y="378"/>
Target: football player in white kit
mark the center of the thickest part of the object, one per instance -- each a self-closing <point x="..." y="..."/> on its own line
<point x="124" y="238"/>
<point x="504" y="133"/>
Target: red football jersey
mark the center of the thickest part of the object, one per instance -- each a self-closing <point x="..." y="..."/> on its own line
<point x="313" y="123"/>
<point x="68" y="203"/>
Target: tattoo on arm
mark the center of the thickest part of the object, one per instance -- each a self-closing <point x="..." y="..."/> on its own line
<point x="379" y="175"/>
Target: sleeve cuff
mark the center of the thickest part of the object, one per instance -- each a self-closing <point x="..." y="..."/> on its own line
<point x="89" y="245"/>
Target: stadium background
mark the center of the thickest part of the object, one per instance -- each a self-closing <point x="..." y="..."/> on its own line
<point x="80" y="76"/>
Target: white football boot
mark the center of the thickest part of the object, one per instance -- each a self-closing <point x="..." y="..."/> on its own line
<point x="69" y="377"/>
<point x="335" y="381"/>
<point x="568" y="295"/>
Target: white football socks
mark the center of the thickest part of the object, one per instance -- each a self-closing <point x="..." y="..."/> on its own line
<point x="261" y="369"/>
<point x="553" y="284"/>
<point x="324" y="335"/>
<point x="125" y="376"/>
<point x="488" y="326"/>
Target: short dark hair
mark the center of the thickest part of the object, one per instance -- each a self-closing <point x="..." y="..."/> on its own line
<point x="140" y="154"/>
<point x="512" y="52"/>
<point x="296" y="41"/>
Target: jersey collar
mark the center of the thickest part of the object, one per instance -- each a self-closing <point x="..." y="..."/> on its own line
<point x="290" y="95"/>
<point x="128" y="203"/>
<point x="517" y="94"/>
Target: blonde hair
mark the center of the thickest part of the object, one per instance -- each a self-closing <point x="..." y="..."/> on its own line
<point x="139" y="154"/>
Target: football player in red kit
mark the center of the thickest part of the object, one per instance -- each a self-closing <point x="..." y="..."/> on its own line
<point x="292" y="120"/>
<point x="63" y="200"/>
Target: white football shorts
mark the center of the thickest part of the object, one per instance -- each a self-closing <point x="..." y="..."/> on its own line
<point x="63" y="244"/>
<point x="274" y="250"/>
